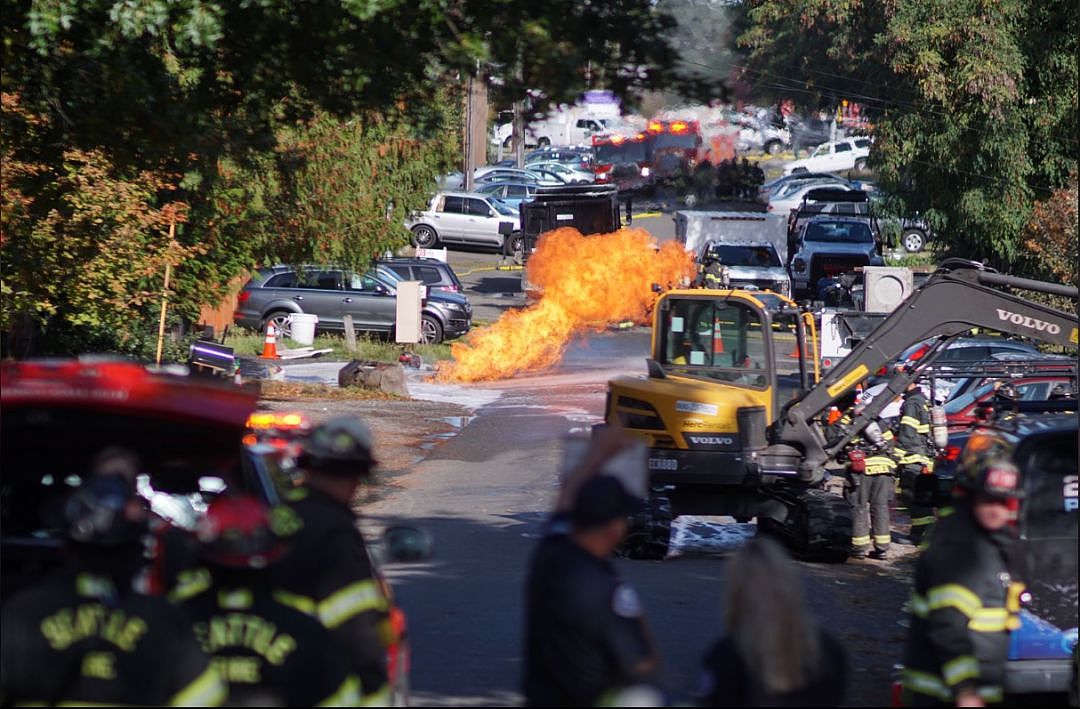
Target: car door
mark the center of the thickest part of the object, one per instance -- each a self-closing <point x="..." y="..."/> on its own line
<point x="842" y="158"/>
<point x="449" y="217"/>
<point x="482" y="223"/>
<point x="372" y="306"/>
<point x="321" y="292"/>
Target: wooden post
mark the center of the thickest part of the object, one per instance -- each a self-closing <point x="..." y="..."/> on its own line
<point x="350" y="333"/>
<point x="165" y="294"/>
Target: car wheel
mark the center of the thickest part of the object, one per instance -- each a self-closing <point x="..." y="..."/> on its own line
<point x="798" y="170"/>
<point x="690" y="200"/>
<point x="913" y="241"/>
<point x="431" y="332"/>
<point x="543" y="142"/>
<point x="773" y="147"/>
<point x="424" y="237"/>
<point x="281" y="322"/>
<point x="509" y="142"/>
<point x="513" y="244"/>
<point x="860" y="164"/>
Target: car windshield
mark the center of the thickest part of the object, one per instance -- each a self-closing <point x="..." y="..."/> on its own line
<point x="840" y="232"/>
<point x="625" y="152"/>
<point x="753" y="256"/>
<point x="503" y="208"/>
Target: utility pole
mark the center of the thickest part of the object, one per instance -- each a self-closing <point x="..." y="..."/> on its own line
<point x="468" y="168"/>
<point x="519" y="121"/>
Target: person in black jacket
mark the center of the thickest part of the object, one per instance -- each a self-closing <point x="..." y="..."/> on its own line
<point x="965" y="600"/>
<point x="586" y="639"/>
<point x="329" y="572"/>
<point x="915" y="459"/>
<point x="86" y="637"/>
<point x="774" y="653"/>
<point x="268" y="652"/>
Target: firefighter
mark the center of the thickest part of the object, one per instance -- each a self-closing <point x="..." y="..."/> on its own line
<point x="913" y="451"/>
<point x="329" y="573"/>
<point x="965" y="601"/>
<point x="84" y="636"/>
<point x="711" y="272"/>
<point x="267" y="652"/>
<point x="586" y="639"/>
<point x="869" y="486"/>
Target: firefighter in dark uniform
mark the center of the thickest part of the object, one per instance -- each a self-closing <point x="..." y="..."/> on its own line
<point x="965" y="601"/>
<point x="86" y="637"/>
<point x="267" y="652"/>
<point x="870" y="486"/>
<point x="586" y="639"/>
<point x="711" y="272"/>
<point x="328" y="572"/>
<point x="915" y="459"/>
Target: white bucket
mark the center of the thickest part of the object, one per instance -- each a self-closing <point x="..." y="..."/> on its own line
<point x="303" y="328"/>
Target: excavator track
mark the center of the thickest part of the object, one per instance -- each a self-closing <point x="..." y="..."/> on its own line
<point x="817" y="525"/>
<point x="649" y="534"/>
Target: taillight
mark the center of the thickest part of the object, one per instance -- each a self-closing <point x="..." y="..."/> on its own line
<point x="243" y="297"/>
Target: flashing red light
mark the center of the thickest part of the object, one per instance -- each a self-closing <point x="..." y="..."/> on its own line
<point x="679" y="127"/>
<point x="616" y="139"/>
<point x="640" y="136"/>
<point x="918" y="354"/>
<point x="655" y="126"/>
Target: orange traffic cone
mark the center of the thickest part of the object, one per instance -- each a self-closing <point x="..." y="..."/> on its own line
<point x="795" y="351"/>
<point x="270" y="343"/>
<point x="717" y="341"/>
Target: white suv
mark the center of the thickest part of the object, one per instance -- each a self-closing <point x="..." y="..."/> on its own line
<point x="846" y="154"/>
<point x="466" y="218"/>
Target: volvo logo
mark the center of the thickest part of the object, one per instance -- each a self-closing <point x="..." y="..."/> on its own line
<point x="711" y="440"/>
<point x="1028" y="322"/>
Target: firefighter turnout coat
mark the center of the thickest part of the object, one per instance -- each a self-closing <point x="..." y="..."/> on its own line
<point x="963" y="606"/>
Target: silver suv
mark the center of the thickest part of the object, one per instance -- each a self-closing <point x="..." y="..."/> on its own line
<point x="466" y="218"/>
<point x="331" y="293"/>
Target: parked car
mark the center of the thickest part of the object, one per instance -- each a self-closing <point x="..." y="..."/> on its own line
<point x="490" y="173"/>
<point x="828" y="246"/>
<point x="435" y="274"/>
<point x="845" y="154"/>
<point x="569" y="174"/>
<point x="962" y="411"/>
<point x="912" y="233"/>
<point x="773" y="187"/>
<point x="967" y="350"/>
<point x="466" y="218"/>
<point x="274" y="294"/>
<point x="510" y="193"/>
<point x="789" y="197"/>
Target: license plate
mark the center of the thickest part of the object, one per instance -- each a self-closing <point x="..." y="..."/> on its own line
<point x="663" y="464"/>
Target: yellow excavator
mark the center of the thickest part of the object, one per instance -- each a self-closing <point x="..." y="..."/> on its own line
<point x="731" y="415"/>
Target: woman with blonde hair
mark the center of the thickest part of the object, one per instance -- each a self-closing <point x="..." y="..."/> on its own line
<point x="774" y="653"/>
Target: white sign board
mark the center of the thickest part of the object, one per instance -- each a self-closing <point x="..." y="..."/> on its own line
<point x="439" y="254"/>
<point x="409" y="304"/>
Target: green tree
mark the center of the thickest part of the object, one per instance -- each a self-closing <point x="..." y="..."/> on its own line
<point x="286" y="127"/>
<point x="974" y="102"/>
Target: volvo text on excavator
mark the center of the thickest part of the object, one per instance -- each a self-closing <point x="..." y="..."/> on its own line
<point x="731" y="417"/>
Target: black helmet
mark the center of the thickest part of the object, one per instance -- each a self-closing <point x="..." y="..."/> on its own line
<point x="105" y="511"/>
<point x="991" y="475"/>
<point x="236" y="532"/>
<point x="341" y="445"/>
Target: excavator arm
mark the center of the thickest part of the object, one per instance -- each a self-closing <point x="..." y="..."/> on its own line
<point x="958" y="297"/>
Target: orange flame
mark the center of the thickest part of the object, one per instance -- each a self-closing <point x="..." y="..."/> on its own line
<point x="587" y="283"/>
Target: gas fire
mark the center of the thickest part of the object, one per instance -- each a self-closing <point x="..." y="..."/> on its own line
<point x="586" y="283"/>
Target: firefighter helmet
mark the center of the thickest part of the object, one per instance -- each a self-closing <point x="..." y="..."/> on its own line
<point x="236" y="532"/>
<point x="991" y="475"/>
<point x="105" y="511"/>
<point x="342" y="445"/>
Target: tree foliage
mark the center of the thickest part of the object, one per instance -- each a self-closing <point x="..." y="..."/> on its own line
<point x="287" y="129"/>
<point x="1051" y="235"/>
<point x="974" y="102"/>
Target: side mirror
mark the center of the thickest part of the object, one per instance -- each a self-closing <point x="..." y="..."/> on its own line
<point x="491" y="212"/>
<point x="380" y="289"/>
<point x="404" y="544"/>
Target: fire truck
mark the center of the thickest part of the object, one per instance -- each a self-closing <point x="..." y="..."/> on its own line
<point x="676" y="148"/>
<point x="625" y="161"/>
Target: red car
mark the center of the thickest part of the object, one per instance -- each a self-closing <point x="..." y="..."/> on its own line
<point x="962" y="411"/>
